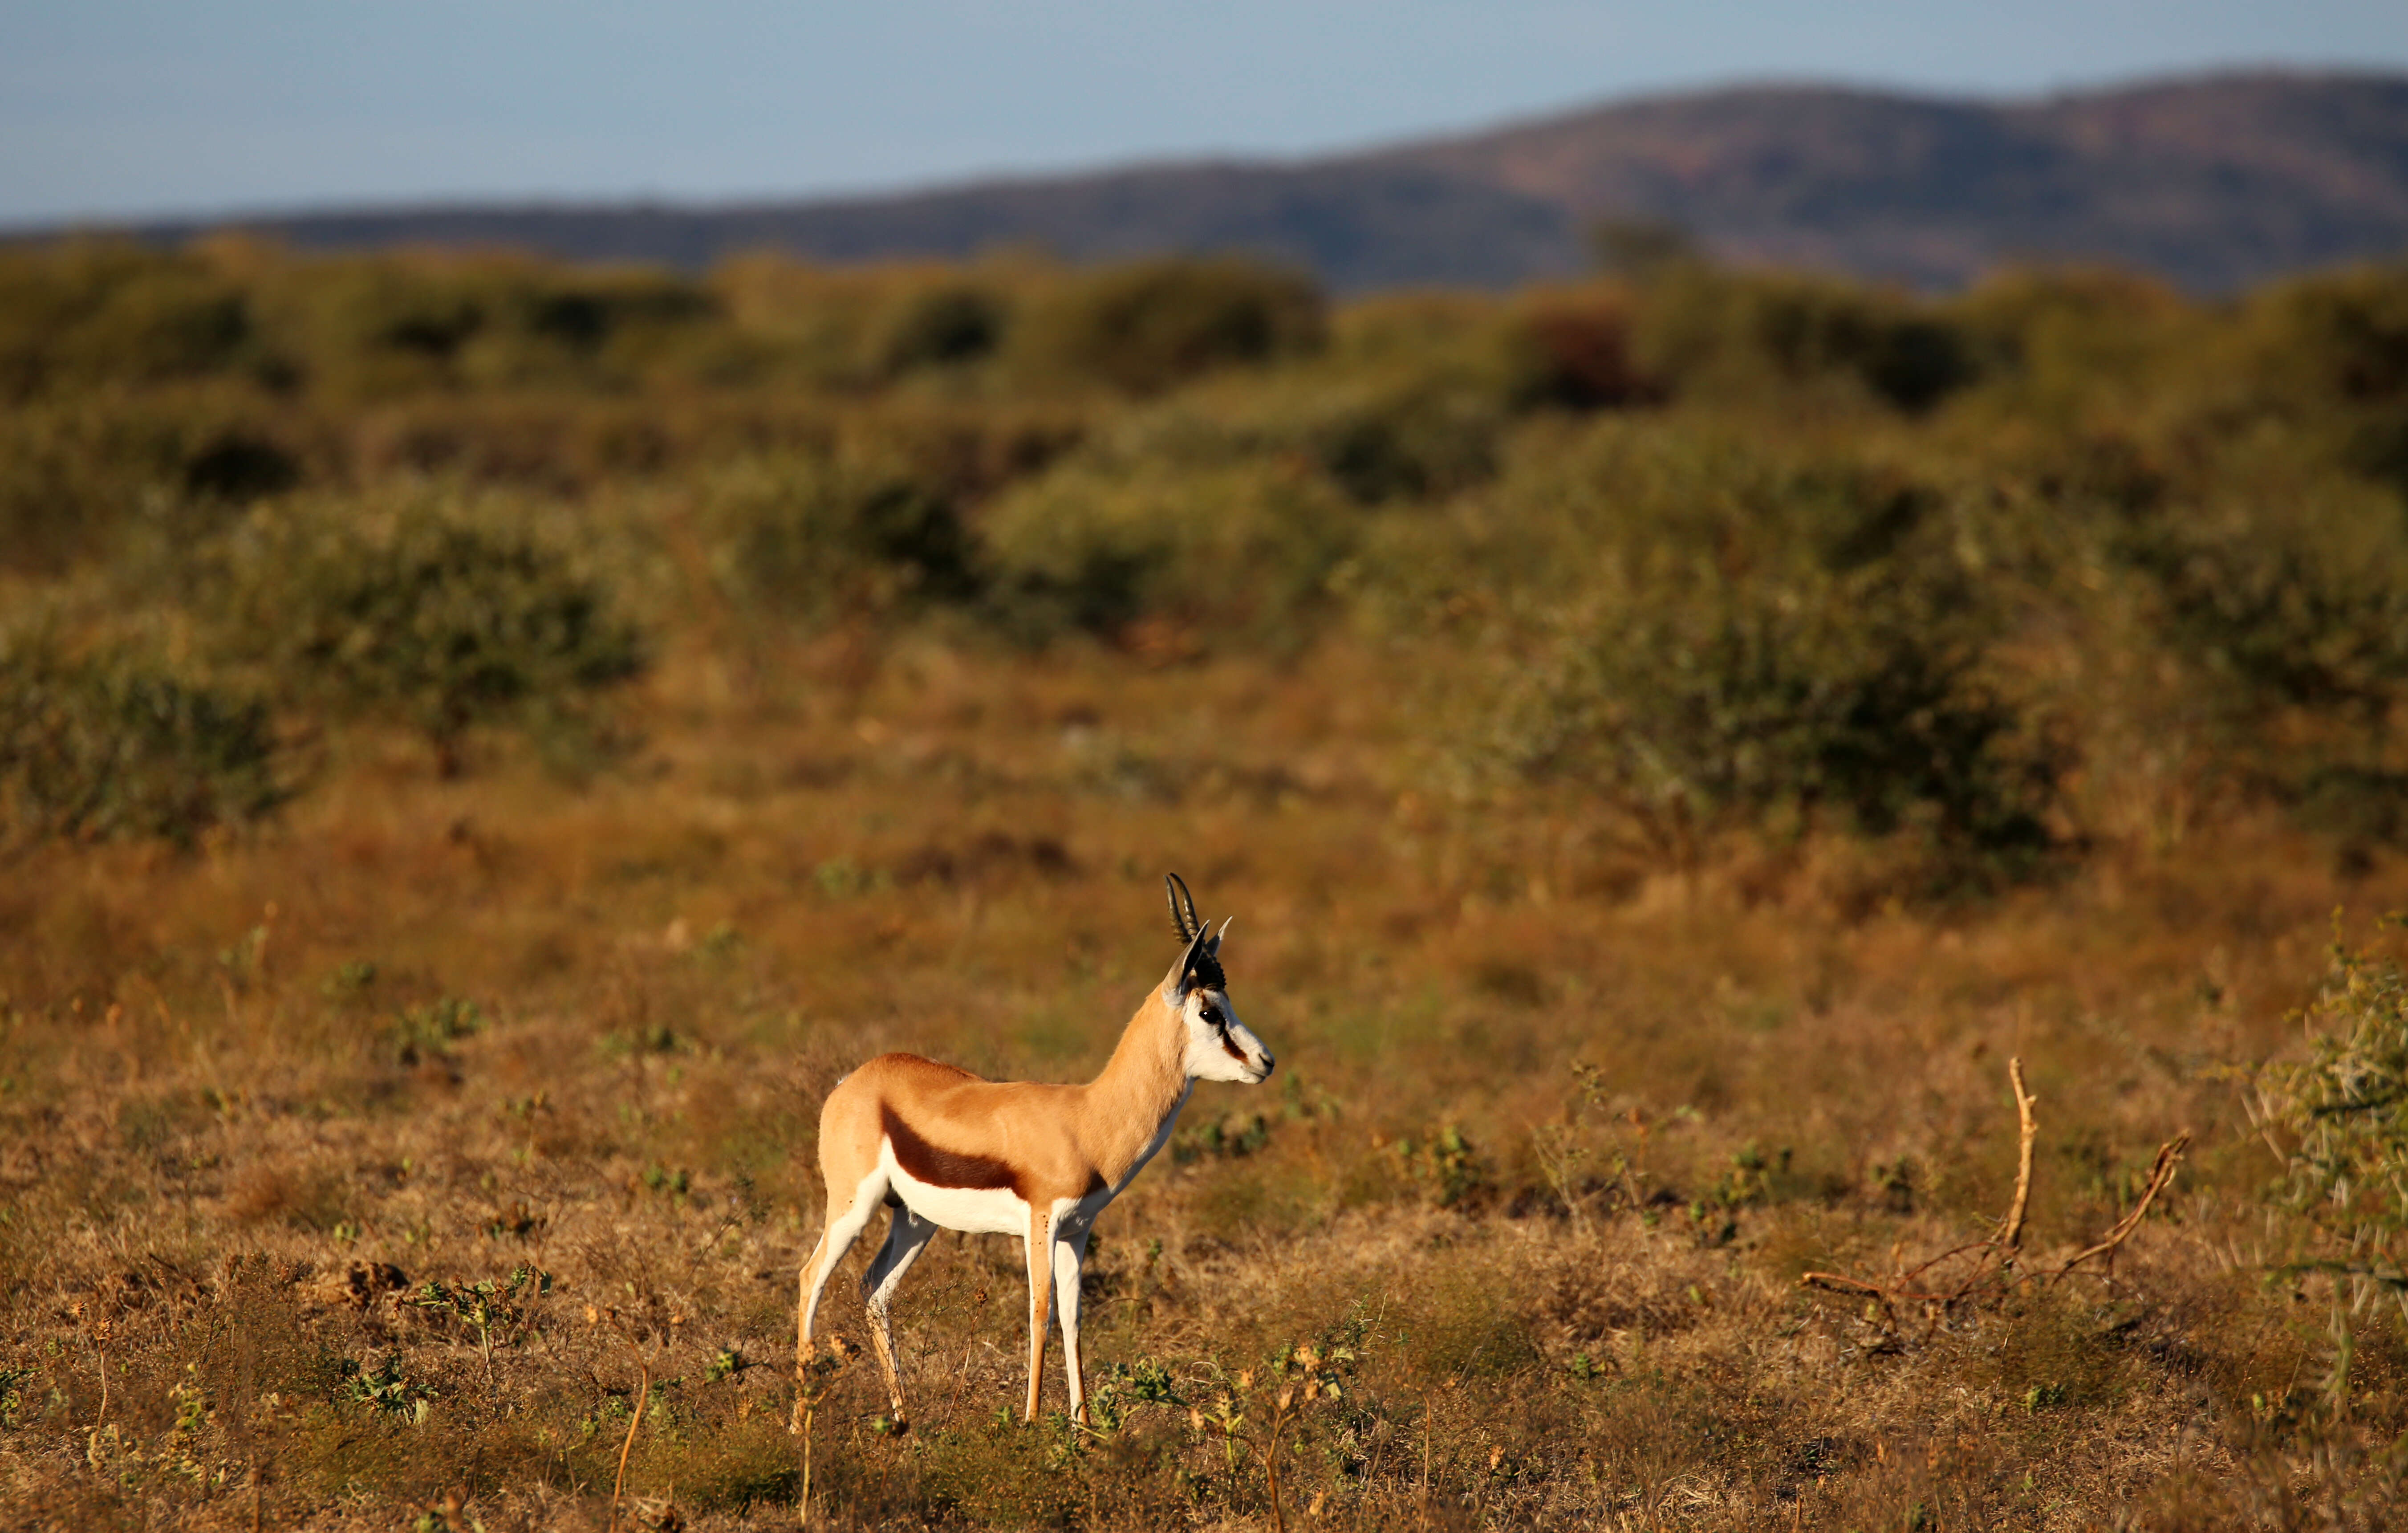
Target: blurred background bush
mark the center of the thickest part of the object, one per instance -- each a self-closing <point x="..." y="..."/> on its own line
<point x="1735" y="549"/>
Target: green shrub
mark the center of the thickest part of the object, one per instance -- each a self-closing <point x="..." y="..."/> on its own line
<point x="2074" y="350"/>
<point x="114" y="744"/>
<point x="85" y="313"/>
<point x="1246" y="546"/>
<point x="1146" y="327"/>
<point x="1399" y="435"/>
<point x="2293" y="596"/>
<point x="438" y="612"/>
<point x="1422" y="440"/>
<point x="815" y="534"/>
<point x="2342" y="335"/>
<point x="77" y="474"/>
<point x="1619" y="486"/>
<point x="943" y="326"/>
<point x="380" y="325"/>
<point x="2340" y="1117"/>
<point x="1706" y="329"/>
<point x="1688" y="692"/>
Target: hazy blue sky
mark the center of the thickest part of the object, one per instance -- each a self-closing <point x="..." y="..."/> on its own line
<point x="118" y="106"/>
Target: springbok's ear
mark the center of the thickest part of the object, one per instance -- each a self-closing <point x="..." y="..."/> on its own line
<point x="1183" y="977"/>
<point x="1216" y="948"/>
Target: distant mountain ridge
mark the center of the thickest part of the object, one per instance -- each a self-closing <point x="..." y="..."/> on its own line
<point x="2213" y="183"/>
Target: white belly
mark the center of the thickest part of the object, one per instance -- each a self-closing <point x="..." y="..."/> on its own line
<point x="976" y="1211"/>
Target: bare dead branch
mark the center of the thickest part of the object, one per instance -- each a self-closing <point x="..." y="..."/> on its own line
<point x="2008" y="1243"/>
<point x="1914" y="1272"/>
<point x="2011" y="1234"/>
<point x="643" y="1398"/>
<point x="1841" y="1283"/>
<point x="2160" y="1172"/>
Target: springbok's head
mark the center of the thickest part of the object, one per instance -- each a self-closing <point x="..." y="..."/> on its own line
<point x="1219" y="1047"/>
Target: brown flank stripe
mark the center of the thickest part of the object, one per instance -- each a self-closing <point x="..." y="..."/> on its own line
<point x="942" y="1167"/>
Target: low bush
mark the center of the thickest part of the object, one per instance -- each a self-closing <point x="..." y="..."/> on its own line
<point x="1422" y="440"/>
<point x="1146" y="327"/>
<point x="368" y="328"/>
<point x="116" y="744"/>
<point x="75" y="477"/>
<point x="2073" y="348"/>
<point x="440" y="612"/>
<point x="1402" y="435"/>
<point x="815" y="536"/>
<point x="1246" y="546"/>
<point x="1713" y="331"/>
<point x="95" y="312"/>
<point x="2293" y="597"/>
<point x="2340" y="1118"/>
<point x="943" y="326"/>
<point x="2339" y="337"/>
<point x="1573" y="494"/>
<point x="1690" y="695"/>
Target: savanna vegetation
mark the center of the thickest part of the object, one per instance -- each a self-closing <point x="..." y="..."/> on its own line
<point x="484" y="745"/>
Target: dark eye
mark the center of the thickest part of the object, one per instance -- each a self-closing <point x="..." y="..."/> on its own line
<point x="1212" y="1017"/>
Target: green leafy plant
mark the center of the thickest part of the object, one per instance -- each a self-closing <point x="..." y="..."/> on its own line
<point x="1450" y="1168"/>
<point x="2340" y="1120"/>
<point x="388" y="1389"/>
<point x="421" y="1032"/>
<point x="490" y="1307"/>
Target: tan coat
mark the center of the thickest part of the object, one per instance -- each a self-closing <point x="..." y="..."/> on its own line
<point x="945" y="1148"/>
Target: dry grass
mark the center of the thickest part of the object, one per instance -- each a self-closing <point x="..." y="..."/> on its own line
<point x="248" y="1120"/>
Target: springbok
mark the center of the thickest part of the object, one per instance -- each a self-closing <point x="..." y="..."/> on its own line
<point x="946" y="1150"/>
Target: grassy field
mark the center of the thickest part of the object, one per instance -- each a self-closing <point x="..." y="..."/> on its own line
<point x="469" y="792"/>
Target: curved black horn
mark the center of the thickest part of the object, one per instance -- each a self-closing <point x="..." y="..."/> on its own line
<point x="1182" y="921"/>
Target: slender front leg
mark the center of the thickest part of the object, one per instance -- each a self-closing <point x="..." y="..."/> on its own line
<point x="1040" y="1299"/>
<point x="1069" y="1255"/>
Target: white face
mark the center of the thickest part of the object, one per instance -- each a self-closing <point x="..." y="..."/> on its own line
<point x="1219" y="1046"/>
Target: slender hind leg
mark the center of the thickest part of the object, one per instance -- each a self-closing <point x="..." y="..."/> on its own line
<point x="907" y="1237"/>
<point x="845" y="1226"/>
<point x="1069" y="1252"/>
<point x="1040" y="1300"/>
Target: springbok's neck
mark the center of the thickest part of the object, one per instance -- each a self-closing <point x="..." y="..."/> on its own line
<point x="1140" y="1088"/>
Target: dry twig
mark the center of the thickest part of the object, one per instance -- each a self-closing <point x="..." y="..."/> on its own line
<point x="2011" y="1234"/>
<point x="643" y="1397"/>
<point x="2161" y="1171"/>
<point x="2003" y="1247"/>
<point x="815" y="1374"/>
